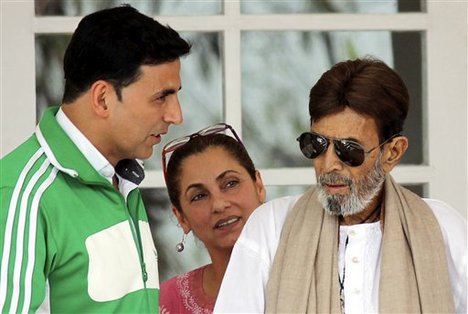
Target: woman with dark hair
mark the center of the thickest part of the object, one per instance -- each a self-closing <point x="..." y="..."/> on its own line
<point x="214" y="187"/>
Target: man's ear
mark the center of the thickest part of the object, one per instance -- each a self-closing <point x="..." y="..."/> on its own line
<point x="260" y="188"/>
<point x="393" y="152"/>
<point x="182" y="220"/>
<point x="101" y="95"/>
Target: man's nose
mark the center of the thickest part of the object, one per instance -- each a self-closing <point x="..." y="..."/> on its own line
<point x="173" y="112"/>
<point x="331" y="160"/>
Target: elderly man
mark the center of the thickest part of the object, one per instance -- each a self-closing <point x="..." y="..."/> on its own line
<point x="357" y="242"/>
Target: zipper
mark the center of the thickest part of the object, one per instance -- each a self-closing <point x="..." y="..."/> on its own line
<point x="135" y="234"/>
<point x="137" y="239"/>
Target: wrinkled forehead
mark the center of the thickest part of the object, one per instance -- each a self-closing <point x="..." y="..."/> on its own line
<point x="346" y="124"/>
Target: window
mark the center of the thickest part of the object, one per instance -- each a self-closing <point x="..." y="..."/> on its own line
<point x="252" y="65"/>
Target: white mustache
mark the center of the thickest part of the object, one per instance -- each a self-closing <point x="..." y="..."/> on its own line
<point x="334" y="178"/>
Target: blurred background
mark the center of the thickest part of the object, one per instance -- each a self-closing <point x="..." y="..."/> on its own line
<point x="252" y="65"/>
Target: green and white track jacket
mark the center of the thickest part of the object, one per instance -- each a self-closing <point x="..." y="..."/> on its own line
<point x="70" y="242"/>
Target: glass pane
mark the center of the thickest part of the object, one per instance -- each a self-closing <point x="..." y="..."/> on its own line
<point x="49" y="71"/>
<point x="419" y="189"/>
<point x="276" y="85"/>
<point x="162" y="7"/>
<point x="201" y="96"/>
<point x="330" y="6"/>
<point x="276" y="191"/>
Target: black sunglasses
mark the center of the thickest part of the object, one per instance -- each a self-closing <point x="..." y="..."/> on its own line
<point x="350" y="152"/>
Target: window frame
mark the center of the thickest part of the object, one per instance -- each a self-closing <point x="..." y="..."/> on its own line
<point x="444" y="174"/>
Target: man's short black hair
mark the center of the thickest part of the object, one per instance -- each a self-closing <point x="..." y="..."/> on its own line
<point x="112" y="44"/>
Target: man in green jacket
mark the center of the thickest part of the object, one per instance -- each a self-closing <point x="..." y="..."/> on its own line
<point x="74" y="231"/>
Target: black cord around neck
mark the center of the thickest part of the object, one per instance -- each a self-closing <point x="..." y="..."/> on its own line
<point x="341" y="279"/>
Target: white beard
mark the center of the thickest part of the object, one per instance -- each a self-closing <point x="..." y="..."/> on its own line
<point x="361" y="192"/>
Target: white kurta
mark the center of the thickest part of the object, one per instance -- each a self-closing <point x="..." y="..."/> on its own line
<point x="243" y="288"/>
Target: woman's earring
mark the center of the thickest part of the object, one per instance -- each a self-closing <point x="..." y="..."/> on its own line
<point x="180" y="246"/>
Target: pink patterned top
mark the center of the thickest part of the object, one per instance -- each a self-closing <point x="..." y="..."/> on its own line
<point x="184" y="294"/>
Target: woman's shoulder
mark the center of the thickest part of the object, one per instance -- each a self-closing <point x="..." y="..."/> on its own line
<point x="174" y="282"/>
<point x="169" y="283"/>
<point x="181" y="294"/>
<point x="168" y="290"/>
